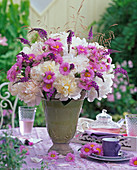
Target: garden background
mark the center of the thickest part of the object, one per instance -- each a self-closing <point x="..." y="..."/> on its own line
<point x="113" y="19"/>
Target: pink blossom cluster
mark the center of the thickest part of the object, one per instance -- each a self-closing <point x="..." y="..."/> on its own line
<point x="3" y="41"/>
<point x="61" y="65"/>
<point x="90" y="148"/>
<point x="54" y="155"/>
<point x="121" y="84"/>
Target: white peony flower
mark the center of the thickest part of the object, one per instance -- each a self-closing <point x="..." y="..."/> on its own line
<point x="30" y="93"/>
<point x="66" y="87"/>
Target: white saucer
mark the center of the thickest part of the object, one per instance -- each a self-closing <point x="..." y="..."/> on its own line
<point x="125" y="156"/>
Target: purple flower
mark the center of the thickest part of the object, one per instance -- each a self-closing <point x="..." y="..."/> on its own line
<point x="121" y="70"/>
<point x="50" y="93"/>
<point x="90" y="35"/>
<point x="53" y="155"/>
<point x="110" y="51"/>
<point x="42" y="33"/>
<point x="72" y="66"/>
<point x="24" y="41"/>
<point x="100" y="75"/>
<point x="64" y="69"/>
<point x="70" y="157"/>
<point x="96" y="87"/>
<point x="13" y="72"/>
<point x="69" y="39"/>
<point x="23" y="79"/>
<point x="133" y="161"/>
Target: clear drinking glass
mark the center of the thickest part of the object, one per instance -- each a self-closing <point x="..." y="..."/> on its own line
<point x="26" y="119"/>
<point x="131" y="124"/>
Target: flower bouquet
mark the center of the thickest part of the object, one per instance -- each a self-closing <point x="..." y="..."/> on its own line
<point x="62" y="68"/>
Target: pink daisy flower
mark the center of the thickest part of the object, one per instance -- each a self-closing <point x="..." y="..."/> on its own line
<point x="92" y="144"/>
<point x="47" y="87"/>
<point x="53" y="155"/>
<point x="97" y="149"/>
<point x="70" y="157"/>
<point x="54" y="45"/>
<point x="87" y="74"/>
<point x="64" y="69"/>
<point x="86" y="149"/>
<point x="83" y="84"/>
<point x="81" y="49"/>
<point x="49" y="77"/>
<point x="31" y="57"/>
<point x="59" y="59"/>
<point x="133" y="161"/>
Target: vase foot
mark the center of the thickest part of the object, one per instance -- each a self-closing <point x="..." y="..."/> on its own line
<point x="61" y="148"/>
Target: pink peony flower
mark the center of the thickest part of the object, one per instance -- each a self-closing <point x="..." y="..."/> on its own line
<point x="70" y="157"/>
<point x="53" y="155"/>
<point x="64" y="69"/>
<point x="82" y="50"/>
<point x="49" y="77"/>
<point x="86" y="149"/>
<point x="133" y="161"/>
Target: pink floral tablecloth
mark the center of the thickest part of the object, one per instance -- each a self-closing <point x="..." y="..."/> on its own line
<point x="40" y="150"/>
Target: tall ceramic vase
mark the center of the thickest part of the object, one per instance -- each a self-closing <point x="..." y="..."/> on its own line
<point x="61" y="122"/>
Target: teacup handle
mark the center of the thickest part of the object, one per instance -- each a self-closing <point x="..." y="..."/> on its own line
<point x="118" y="146"/>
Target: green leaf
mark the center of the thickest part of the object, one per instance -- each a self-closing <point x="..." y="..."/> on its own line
<point x="4" y="3"/>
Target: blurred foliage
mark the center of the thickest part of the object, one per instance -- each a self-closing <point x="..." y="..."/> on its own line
<point x="123" y="13"/>
<point x="13" y="17"/>
<point x="120" y="18"/>
<point x="13" y="20"/>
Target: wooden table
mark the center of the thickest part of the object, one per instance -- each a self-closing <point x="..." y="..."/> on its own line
<point x="40" y="150"/>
